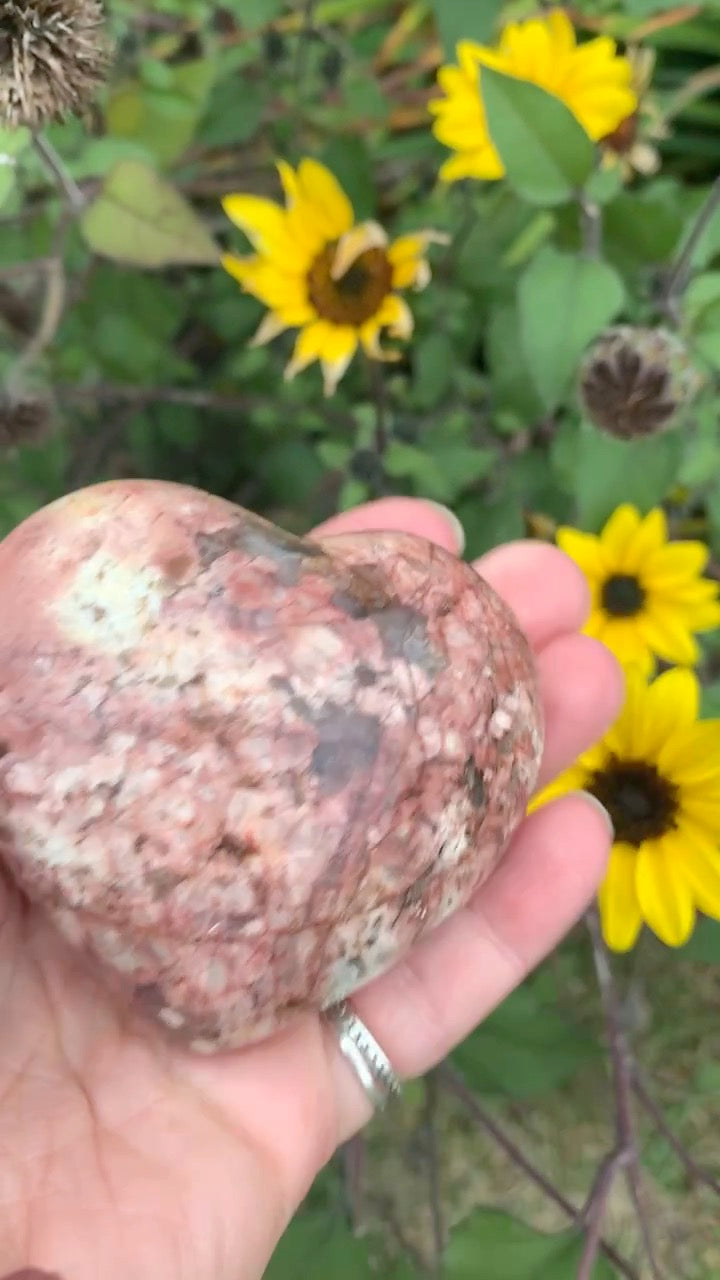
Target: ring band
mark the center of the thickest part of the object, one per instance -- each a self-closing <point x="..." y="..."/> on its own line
<point x="372" y="1067"/>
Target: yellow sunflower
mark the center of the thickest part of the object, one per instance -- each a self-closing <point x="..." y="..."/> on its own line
<point x="648" y="595"/>
<point x="631" y="146"/>
<point x="592" y="79"/>
<point x="657" y="772"/>
<point x="317" y="270"/>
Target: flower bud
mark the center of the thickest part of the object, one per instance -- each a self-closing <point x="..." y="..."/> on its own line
<point x="636" y="382"/>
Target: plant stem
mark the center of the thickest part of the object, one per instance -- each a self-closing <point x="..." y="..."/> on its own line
<point x="677" y="280"/>
<point x="62" y="178"/>
<point x="626" y="1152"/>
<point x="433" y="1156"/>
<point x="695" y="1171"/>
<point x="456" y="1085"/>
<point x="354" y="1161"/>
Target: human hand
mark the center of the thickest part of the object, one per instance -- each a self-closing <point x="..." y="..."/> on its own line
<point x="124" y="1156"/>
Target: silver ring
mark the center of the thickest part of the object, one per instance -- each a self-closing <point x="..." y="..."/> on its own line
<point x="372" y="1067"/>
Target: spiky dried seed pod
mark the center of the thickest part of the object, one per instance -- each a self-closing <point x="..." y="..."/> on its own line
<point x="636" y="381"/>
<point x="53" y="57"/>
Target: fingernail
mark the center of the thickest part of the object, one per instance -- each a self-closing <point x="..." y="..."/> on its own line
<point x="588" y="795"/>
<point x="451" y="519"/>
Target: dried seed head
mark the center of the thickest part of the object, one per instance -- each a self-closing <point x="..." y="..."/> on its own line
<point x="636" y="382"/>
<point x="53" y="56"/>
<point x="25" y="421"/>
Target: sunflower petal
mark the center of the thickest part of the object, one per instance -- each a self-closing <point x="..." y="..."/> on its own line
<point x="651" y="536"/>
<point x="263" y="222"/>
<point x="321" y="189"/>
<point x="617" y="536"/>
<point x="665" y="897"/>
<point x="585" y="549"/>
<point x="266" y="282"/>
<point x="673" y="703"/>
<point x="623" y="638"/>
<point x="333" y="345"/>
<point x="481" y="162"/>
<point x="667" y="634"/>
<point x="366" y="235"/>
<point x="676" y="560"/>
<point x="406" y="257"/>
<point x="701" y="867"/>
<point x="619" y="906"/>
<point x="337" y="356"/>
<point x="691" y="756"/>
<point x="270" y="327"/>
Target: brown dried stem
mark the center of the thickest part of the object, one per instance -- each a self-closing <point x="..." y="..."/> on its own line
<point x="456" y="1085"/>
<point x="680" y="273"/>
<point x="696" y="1172"/>
<point x="625" y="1154"/>
<point x="354" y="1164"/>
<point x="433" y="1160"/>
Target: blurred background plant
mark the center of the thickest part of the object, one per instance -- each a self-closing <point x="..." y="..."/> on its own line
<point x="561" y="369"/>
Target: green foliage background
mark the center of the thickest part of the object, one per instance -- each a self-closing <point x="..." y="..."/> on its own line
<point x="120" y="322"/>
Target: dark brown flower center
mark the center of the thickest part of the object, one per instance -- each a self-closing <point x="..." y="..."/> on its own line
<point x="642" y="804"/>
<point x="622" y="595"/>
<point x="358" y="294"/>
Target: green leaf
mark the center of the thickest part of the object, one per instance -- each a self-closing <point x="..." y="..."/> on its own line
<point x="607" y="472"/>
<point x="701" y="303"/>
<point x="547" y="154"/>
<point x="433" y="362"/>
<point x="349" y="160"/>
<point x="459" y="20"/>
<point x="513" y="387"/>
<point x="642" y="228"/>
<point x="564" y="302"/>
<point x="494" y="1246"/>
<point x="12" y="142"/>
<point x="317" y="1245"/>
<point x="701" y="461"/>
<point x="255" y="14"/>
<point x="140" y="219"/>
<point x="440" y="473"/>
<point x="524" y="1048"/>
<point x="163" y="116"/>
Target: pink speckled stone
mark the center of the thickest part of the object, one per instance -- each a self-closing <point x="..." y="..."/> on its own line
<point x="243" y="770"/>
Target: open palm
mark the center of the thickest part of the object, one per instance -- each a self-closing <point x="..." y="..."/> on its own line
<point x="125" y="1157"/>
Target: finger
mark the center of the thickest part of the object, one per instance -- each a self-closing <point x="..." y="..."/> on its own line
<point x="448" y="983"/>
<point x="405" y="515"/>
<point x="545" y="589"/>
<point x="582" y="690"/>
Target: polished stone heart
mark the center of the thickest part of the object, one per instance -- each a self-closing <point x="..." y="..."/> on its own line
<point x="246" y="771"/>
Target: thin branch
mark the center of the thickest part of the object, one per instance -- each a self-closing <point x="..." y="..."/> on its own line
<point x="193" y="398"/>
<point x="62" y="178"/>
<point x="679" y="274"/>
<point x="622" y="1070"/>
<point x="50" y="317"/>
<point x="433" y="1156"/>
<point x="354" y="1160"/>
<point x="594" y="1211"/>
<point x="387" y="1210"/>
<point x="696" y="1172"/>
<point x="455" y="1083"/>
